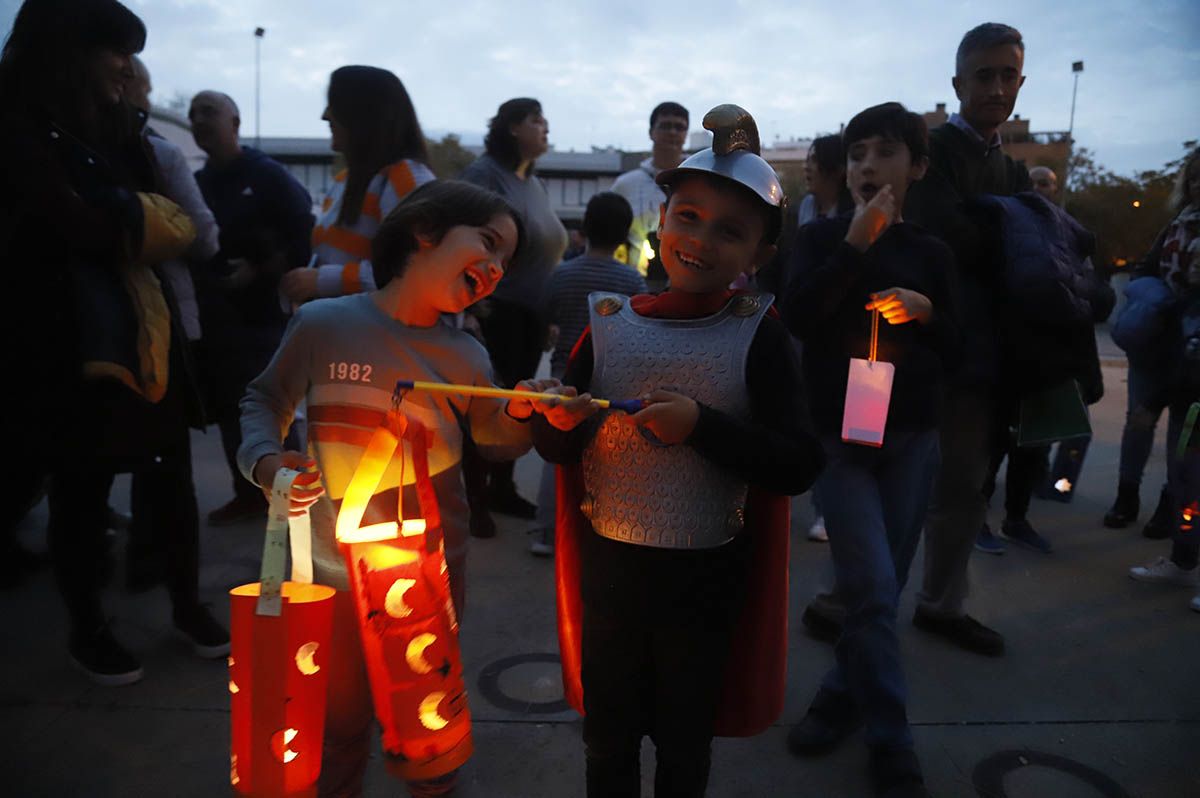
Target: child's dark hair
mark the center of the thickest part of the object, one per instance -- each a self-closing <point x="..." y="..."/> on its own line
<point x="668" y="108"/>
<point x="984" y="37"/>
<point x="430" y="211"/>
<point x="500" y="143"/>
<point x="606" y="220"/>
<point x="890" y="121"/>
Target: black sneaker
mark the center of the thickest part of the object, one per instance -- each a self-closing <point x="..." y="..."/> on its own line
<point x="509" y="502"/>
<point x="102" y="659"/>
<point x="1021" y="532"/>
<point x="1125" y="508"/>
<point x="831" y="718"/>
<point x="963" y="631"/>
<point x="819" y="625"/>
<point x="1164" y="519"/>
<point x="482" y="524"/>
<point x="209" y="639"/>
<point x="896" y="773"/>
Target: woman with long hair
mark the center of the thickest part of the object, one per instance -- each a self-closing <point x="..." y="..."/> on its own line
<point x="104" y="374"/>
<point x="374" y="126"/>
<point x="512" y="325"/>
<point x="1172" y="383"/>
<point x="1149" y="381"/>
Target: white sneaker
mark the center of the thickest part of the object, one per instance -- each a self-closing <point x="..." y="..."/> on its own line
<point x="1163" y="571"/>
<point x="817" y="530"/>
<point x="1195" y="605"/>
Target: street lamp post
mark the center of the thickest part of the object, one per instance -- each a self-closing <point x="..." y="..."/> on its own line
<point x="1076" y="68"/>
<point x="258" y="41"/>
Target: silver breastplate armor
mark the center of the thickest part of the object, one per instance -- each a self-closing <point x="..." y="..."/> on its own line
<point x="638" y="490"/>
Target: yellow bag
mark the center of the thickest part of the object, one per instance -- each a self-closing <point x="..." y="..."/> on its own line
<point x="167" y="231"/>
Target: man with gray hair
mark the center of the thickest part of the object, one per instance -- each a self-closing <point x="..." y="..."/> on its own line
<point x="966" y="159"/>
<point x="266" y="220"/>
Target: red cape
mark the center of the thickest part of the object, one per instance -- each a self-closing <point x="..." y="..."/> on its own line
<point x="752" y="695"/>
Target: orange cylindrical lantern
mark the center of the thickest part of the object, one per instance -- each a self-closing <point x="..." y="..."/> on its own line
<point x="409" y="630"/>
<point x="280" y="635"/>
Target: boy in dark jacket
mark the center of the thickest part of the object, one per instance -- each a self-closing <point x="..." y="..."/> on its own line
<point x="874" y="499"/>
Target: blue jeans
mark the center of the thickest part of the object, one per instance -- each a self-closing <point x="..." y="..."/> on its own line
<point x="1149" y="395"/>
<point x="874" y="502"/>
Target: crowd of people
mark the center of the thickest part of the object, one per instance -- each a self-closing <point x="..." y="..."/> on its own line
<point x="154" y="301"/>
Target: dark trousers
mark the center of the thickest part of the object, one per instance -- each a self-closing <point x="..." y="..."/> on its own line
<point x="164" y="505"/>
<point x="656" y="634"/>
<point x="514" y="335"/>
<point x="1027" y="466"/>
<point x="958" y="508"/>
<point x="229" y="423"/>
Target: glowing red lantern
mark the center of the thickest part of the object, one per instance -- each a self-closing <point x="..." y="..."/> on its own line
<point x="280" y="635"/>
<point x="409" y="629"/>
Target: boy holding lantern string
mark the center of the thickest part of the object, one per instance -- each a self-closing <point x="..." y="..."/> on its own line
<point x="444" y="247"/>
<point x="673" y="521"/>
<point x="847" y="270"/>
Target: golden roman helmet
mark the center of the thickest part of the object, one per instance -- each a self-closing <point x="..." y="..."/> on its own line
<point x="735" y="155"/>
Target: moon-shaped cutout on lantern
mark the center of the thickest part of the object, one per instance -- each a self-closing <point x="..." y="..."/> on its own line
<point x="415" y="653"/>
<point x="304" y="658"/>
<point x="394" y="602"/>
<point x="280" y="741"/>
<point x="430" y="718"/>
<point x="233" y="774"/>
<point x="233" y="688"/>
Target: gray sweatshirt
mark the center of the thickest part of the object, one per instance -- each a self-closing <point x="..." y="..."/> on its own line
<point x="344" y="356"/>
<point x="545" y="236"/>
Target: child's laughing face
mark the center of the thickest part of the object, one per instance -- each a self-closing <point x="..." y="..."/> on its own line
<point x="465" y="266"/>
<point x="709" y="234"/>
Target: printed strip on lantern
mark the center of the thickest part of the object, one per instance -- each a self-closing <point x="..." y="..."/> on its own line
<point x="274" y="559"/>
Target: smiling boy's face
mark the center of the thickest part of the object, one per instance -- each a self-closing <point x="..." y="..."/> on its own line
<point x="710" y="234"/>
<point x="465" y="266"/>
<point x="878" y="161"/>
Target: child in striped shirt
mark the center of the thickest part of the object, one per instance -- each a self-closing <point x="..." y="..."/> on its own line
<point x="443" y="248"/>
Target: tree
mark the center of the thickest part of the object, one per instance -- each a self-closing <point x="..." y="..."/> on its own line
<point x="1125" y="213"/>
<point x="448" y="157"/>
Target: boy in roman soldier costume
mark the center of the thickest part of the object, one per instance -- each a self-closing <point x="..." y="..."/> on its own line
<point x="673" y="521"/>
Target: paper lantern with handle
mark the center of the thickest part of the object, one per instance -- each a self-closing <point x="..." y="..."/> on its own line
<point x="280" y="636"/>
<point x="868" y="394"/>
<point x="409" y="630"/>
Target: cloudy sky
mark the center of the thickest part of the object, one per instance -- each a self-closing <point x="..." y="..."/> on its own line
<point x="598" y="68"/>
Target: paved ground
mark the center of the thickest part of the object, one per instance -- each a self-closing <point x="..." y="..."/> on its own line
<point x="1100" y="678"/>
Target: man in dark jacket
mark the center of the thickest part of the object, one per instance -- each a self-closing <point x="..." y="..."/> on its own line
<point x="265" y="218"/>
<point x="966" y="160"/>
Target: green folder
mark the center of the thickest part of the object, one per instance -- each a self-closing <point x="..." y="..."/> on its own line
<point x="1053" y="415"/>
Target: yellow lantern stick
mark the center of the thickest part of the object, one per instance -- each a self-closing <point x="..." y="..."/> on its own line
<point x="627" y="405"/>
